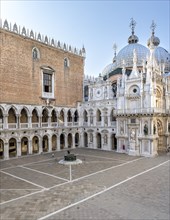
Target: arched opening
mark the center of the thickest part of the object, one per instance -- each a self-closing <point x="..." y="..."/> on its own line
<point x="54" y="142"/>
<point x="112" y="116"/>
<point x="35" y="118"/>
<point x="61" y="117"/>
<point x="114" y="142"/>
<point x="85" y="117"/>
<point x="76" y="139"/>
<point x="45" y="144"/>
<point x="1" y="149"/>
<point x="35" y="145"/>
<point x="12" y="119"/>
<point x="85" y="140"/>
<point x="69" y="116"/>
<point x="99" y="141"/>
<point x="53" y="116"/>
<point x="45" y="116"/>
<point x="1" y="119"/>
<point x="161" y="145"/>
<point x="24" y="119"/>
<point x="24" y="146"/>
<point x="76" y="116"/>
<point x="12" y="147"/>
<point x="70" y="141"/>
<point x="62" y="141"/>
<point x="98" y="115"/>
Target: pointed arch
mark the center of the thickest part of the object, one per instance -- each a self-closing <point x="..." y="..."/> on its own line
<point x="35" y="145"/>
<point x="12" y="147"/>
<point x="98" y="115"/>
<point x="24" y="146"/>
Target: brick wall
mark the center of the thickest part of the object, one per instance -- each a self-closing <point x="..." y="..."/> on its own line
<point x="21" y="75"/>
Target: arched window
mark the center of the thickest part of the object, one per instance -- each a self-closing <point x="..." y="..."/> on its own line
<point x="86" y="93"/>
<point x="35" y="53"/>
<point x="66" y="62"/>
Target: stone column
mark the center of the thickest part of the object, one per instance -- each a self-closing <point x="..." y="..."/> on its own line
<point x="18" y="121"/>
<point x="49" y="121"/>
<point x="65" y="119"/>
<point x="102" y="120"/>
<point x="94" y="140"/>
<point x="109" y="141"/>
<point x="66" y="141"/>
<point x="40" y="121"/>
<point x="19" y="148"/>
<point x="29" y="122"/>
<point x="49" y="144"/>
<point x="5" y="122"/>
<point x="81" y="139"/>
<point x="58" y="142"/>
<point x="30" y="146"/>
<point x="6" y="150"/>
<point x="40" y="145"/>
<point x="73" y="139"/>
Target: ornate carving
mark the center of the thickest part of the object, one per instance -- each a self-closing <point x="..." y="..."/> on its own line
<point x="6" y="26"/>
<point x="46" y="40"/>
<point x="52" y="42"/>
<point x="15" y="28"/>
<point x="23" y="31"/>
<point x="31" y="34"/>
<point x="39" y="37"/>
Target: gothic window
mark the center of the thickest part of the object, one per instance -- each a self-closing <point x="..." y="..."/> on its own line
<point x="66" y="62"/>
<point x="35" y="53"/>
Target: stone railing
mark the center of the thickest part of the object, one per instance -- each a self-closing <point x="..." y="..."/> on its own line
<point x="142" y="111"/>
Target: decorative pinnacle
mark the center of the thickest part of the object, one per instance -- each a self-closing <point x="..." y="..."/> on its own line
<point x="153" y="26"/>
<point x="132" y="25"/>
<point x="115" y="48"/>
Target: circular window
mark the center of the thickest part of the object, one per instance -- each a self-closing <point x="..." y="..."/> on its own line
<point x="135" y="90"/>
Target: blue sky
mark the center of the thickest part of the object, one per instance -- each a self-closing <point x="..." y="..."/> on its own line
<point x="95" y="24"/>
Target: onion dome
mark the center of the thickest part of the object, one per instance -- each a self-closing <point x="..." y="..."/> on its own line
<point x="153" y="40"/>
<point x="133" y="38"/>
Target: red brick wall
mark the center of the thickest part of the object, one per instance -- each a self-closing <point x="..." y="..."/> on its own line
<point x="20" y="75"/>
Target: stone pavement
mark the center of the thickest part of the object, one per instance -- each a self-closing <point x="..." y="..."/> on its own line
<point x="106" y="185"/>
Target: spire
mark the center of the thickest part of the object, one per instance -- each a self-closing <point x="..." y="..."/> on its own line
<point x="133" y="38"/>
<point x="114" y="48"/>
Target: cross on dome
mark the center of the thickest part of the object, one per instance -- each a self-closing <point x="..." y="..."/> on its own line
<point x="153" y="26"/>
<point x="132" y="25"/>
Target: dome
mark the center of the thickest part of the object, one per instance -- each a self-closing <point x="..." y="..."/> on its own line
<point x="126" y="54"/>
<point x="133" y="39"/>
<point x="154" y="40"/>
<point x="108" y="69"/>
<point x="161" y="55"/>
